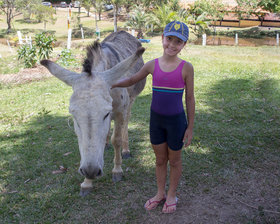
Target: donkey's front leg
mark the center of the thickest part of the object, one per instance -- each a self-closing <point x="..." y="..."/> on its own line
<point x="86" y="187"/>
<point x="125" y="145"/>
<point x="117" y="144"/>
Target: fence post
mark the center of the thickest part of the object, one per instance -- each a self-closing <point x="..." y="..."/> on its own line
<point x="236" y="39"/>
<point x="19" y="37"/>
<point x="82" y="32"/>
<point x="204" y="39"/>
<point x="98" y="33"/>
<point x="11" y="50"/>
<point x="69" y="39"/>
<point x="277" y="39"/>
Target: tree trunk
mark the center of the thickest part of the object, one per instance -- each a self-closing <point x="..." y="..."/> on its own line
<point x="95" y="13"/>
<point x="9" y="19"/>
<point x="99" y="15"/>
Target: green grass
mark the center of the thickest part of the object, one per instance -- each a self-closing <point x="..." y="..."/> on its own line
<point x="236" y="141"/>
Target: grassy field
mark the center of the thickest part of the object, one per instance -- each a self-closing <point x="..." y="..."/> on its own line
<point x="230" y="172"/>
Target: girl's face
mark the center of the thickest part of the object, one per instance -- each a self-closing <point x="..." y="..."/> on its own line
<point x="172" y="45"/>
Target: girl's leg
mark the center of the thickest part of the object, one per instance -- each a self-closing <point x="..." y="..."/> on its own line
<point x="175" y="163"/>
<point x="161" y="152"/>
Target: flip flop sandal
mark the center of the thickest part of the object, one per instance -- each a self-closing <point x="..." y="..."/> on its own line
<point x="154" y="203"/>
<point x="169" y="205"/>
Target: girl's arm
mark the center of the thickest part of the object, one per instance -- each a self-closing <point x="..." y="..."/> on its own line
<point x="188" y="75"/>
<point x="141" y="74"/>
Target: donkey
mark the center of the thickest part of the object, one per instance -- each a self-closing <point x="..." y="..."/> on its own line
<point x="94" y="104"/>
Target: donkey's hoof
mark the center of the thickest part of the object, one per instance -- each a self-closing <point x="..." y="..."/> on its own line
<point x="126" y="155"/>
<point x="85" y="191"/>
<point x="107" y="146"/>
<point x="117" y="177"/>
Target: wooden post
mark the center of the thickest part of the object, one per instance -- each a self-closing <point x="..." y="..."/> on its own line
<point x="277" y="39"/>
<point x="204" y="39"/>
<point x="69" y="39"/>
<point x="19" y="37"/>
<point x="82" y="31"/>
<point x="236" y="39"/>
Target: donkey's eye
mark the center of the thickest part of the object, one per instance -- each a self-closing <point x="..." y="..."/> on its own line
<point x="106" y="116"/>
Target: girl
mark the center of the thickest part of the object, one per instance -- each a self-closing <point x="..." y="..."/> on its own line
<point x="169" y="128"/>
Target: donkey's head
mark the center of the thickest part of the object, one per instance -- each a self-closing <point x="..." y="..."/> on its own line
<point x="91" y="107"/>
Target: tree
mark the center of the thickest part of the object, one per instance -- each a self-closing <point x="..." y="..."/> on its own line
<point x="161" y="16"/>
<point x="137" y="20"/>
<point x="117" y="6"/>
<point x="245" y="8"/>
<point x="28" y="7"/>
<point x="87" y="4"/>
<point x="98" y="5"/>
<point x="8" y="7"/>
<point x="45" y="14"/>
<point x="271" y="6"/>
<point x="213" y="9"/>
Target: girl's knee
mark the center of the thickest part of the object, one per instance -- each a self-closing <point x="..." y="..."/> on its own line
<point x="161" y="161"/>
<point x="175" y="162"/>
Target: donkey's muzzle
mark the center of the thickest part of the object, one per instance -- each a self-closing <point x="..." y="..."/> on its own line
<point x="90" y="172"/>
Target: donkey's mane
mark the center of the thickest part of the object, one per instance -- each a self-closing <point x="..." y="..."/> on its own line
<point x="93" y="52"/>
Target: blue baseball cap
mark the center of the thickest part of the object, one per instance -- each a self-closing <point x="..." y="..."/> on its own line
<point x="177" y="29"/>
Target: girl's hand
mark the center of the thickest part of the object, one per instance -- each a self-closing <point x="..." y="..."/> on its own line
<point x="188" y="137"/>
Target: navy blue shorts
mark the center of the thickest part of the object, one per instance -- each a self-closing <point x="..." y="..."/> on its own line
<point x="170" y="129"/>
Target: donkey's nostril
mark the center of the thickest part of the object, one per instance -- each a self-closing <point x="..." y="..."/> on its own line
<point x="90" y="173"/>
<point x="81" y="171"/>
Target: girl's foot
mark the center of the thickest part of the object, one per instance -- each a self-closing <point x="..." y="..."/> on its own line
<point x="153" y="202"/>
<point x="170" y="206"/>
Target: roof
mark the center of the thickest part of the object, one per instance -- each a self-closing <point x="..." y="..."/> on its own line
<point x="226" y="2"/>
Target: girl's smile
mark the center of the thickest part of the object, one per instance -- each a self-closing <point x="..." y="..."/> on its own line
<point x="172" y="45"/>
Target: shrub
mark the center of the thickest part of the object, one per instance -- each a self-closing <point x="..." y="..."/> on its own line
<point x="66" y="57"/>
<point x="45" y="43"/>
<point x="28" y="54"/>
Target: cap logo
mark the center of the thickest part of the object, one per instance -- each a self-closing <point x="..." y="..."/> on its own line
<point x="177" y="26"/>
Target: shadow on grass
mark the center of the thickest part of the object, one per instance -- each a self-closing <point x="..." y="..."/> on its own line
<point x="27" y="21"/>
<point x="236" y="144"/>
<point x="239" y="130"/>
<point x="31" y="192"/>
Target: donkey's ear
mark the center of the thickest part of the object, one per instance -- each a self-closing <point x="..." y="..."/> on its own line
<point x="61" y="73"/>
<point x="122" y="68"/>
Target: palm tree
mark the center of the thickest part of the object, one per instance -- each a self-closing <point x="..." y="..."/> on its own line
<point x="161" y="16"/>
<point x="138" y="20"/>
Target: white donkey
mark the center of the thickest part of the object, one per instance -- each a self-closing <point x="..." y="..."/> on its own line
<point x="93" y="104"/>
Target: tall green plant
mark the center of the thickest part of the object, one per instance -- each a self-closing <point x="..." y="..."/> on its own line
<point x="138" y="20"/>
<point x="27" y="53"/>
<point x="161" y="16"/>
<point x="44" y="42"/>
<point x="41" y="50"/>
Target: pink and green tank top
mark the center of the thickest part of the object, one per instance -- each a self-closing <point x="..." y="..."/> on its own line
<point x="168" y="89"/>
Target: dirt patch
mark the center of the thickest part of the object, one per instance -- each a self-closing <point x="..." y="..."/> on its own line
<point x="26" y="75"/>
<point x="250" y="198"/>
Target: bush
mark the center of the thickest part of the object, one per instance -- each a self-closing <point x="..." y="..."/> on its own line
<point x="252" y="32"/>
<point x="66" y="57"/>
<point x="28" y="54"/>
<point x="88" y="33"/>
<point x="45" y="43"/>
